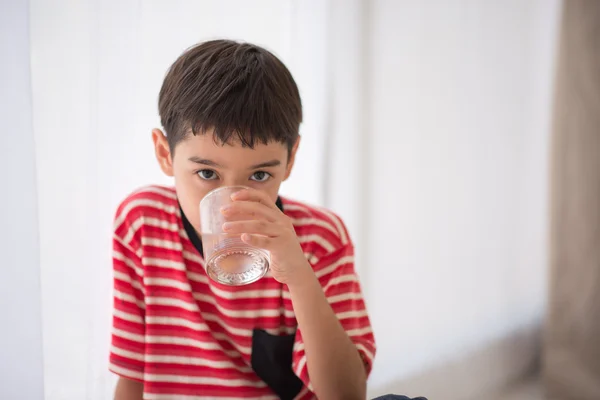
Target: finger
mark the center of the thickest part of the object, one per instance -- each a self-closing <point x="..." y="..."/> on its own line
<point x="251" y="210"/>
<point x="262" y="242"/>
<point x="260" y="227"/>
<point x="255" y="196"/>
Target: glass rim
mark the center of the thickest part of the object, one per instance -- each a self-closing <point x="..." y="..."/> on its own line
<point x="220" y="189"/>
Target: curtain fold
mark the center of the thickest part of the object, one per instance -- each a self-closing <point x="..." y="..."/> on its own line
<point x="21" y="358"/>
<point x="572" y="345"/>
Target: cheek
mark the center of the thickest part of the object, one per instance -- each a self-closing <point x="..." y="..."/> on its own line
<point x="189" y="194"/>
<point x="273" y="189"/>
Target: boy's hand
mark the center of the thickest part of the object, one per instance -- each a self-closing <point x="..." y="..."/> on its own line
<point x="262" y="224"/>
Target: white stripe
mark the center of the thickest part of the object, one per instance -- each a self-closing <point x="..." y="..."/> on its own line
<point x="162" y="263"/>
<point x="149" y="221"/>
<point x="338" y="224"/>
<point x="344" y="296"/>
<point x="332" y="267"/>
<point x="193" y="307"/>
<point x="193" y="257"/>
<point x="341" y="279"/>
<point x="315" y="221"/>
<point x="317" y="239"/>
<point x="126" y="353"/>
<point x="128" y="335"/>
<point x="352" y="314"/>
<point x="127" y="316"/>
<point x="197" y="361"/>
<point x="368" y="354"/>
<point x="312" y="259"/>
<point x="196" y="277"/>
<point x="340" y="232"/>
<point x="126" y="372"/>
<point x="117" y="255"/>
<point x="225" y="295"/>
<point x="167" y="301"/>
<point x="143" y="202"/>
<point x="127" y="279"/>
<point x="244" y="332"/>
<point x="133" y="229"/>
<point x="183" y="341"/>
<point x="203" y="380"/>
<point x="299" y="347"/>
<point x="172" y="283"/>
<point x="128" y="298"/>
<point x="165" y="244"/>
<point x="169" y="359"/>
<point x="158" y="190"/>
<point x="297" y="207"/>
<point x="197" y="326"/>
<point x="201" y="326"/>
<point x="246" y="294"/>
<point x="300" y="365"/>
<point x="251" y="313"/>
<point x="360" y="331"/>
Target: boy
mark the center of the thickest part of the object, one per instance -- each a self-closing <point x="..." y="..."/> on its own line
<point x="231" y="114"/>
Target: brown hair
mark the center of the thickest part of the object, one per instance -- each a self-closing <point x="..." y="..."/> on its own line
<point x="238" y="90"/>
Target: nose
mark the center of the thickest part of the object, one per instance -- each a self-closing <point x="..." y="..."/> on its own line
<point x="234" y="181"/>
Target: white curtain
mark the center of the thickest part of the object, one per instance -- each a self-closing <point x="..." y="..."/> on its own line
<point x="21" y="367"/>
<point x="97" y="67"/>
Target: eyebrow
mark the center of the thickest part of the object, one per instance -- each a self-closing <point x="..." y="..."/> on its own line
<point x="211" y="163"/>
<point x="204" y="161"/>
<point x="272" y="163"/>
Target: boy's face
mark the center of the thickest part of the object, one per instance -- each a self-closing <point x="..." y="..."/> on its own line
<point x="200" y="165"/>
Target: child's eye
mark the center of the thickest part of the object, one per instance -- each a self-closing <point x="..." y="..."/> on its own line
<point x="207" y="174"/>
<point x="260" y="176"/>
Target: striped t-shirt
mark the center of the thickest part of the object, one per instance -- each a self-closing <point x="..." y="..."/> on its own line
<point x="187" y="337"/>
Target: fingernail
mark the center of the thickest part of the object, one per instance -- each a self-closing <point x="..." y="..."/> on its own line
<point x="226" y="226"/>
<point x="225" y="209"/>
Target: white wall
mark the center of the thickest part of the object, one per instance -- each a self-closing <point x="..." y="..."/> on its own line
<point x="456" y="170"/>
<point x="21" y="374"/>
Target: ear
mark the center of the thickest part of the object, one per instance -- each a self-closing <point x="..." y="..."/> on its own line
<point x="291" y="159"/>
<point x="162" y="151"/>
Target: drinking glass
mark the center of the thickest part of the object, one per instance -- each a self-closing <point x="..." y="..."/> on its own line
<point x="228" y="259"/>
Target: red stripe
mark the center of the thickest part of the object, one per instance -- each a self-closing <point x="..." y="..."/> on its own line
<point x="129" y="345"/>
<point x="193" y="334"/>
<point x="164" y="349"/>
<point x="232" y="322"/>
<point x="128" y="326"/>
<point x="205" y="390"/>
<point x="197" y="371"/>
<point x="127" y="363"/>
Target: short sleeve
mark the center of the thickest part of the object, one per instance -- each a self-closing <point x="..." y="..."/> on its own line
<point x="342" y="288"/>
<point x="128" y="342"/>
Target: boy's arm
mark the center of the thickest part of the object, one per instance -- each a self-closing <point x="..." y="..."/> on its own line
<point x="128" y="389"/>
<point x="334" y="364"/>
<point x="334" y="334"/>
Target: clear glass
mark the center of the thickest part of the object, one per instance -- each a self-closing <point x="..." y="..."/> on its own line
<point x="228" y="260"/>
